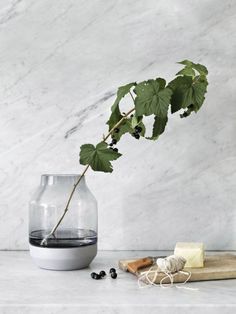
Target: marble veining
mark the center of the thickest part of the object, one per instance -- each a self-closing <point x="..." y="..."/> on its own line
<point x="61" y="62"/>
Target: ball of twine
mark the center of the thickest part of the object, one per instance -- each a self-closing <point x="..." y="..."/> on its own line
<point x="170" y="266"/>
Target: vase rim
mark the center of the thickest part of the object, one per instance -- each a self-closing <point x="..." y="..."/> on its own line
<point x="51" y="179"/>
<point x="62" y="174"/>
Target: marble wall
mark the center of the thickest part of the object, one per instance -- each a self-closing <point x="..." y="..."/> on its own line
<point x="60" y="64"/>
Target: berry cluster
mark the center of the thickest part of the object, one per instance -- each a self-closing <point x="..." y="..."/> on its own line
<point x="137" y="131"/>
<point x="103" y="274"/>
<point x="114" y="142"/>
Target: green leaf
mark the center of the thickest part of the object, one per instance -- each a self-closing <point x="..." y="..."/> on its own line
<point x="152" y="98"/>
<point x="201" y="69"/>
<point x="186" y="62"/>
<point x="164" y="101"/>
<point x="115" y="110"/>
<point x="122" y="91"/>
<point x="188" y="92"/>
<point x="182" y="92"/>
<point x="188" y="71"/>
<point x="199" y="91"/>
<point x="158" y="127"/>
<point x="99" y="157"/>
<point x="115" y="117"/>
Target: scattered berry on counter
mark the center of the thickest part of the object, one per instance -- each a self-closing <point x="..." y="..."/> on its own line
<point x="112" y="270"/>
<point x="113" y="275"/>
<point x="93" y="275"/>
<point x="102" y="273"/>
<point x="96" y="276"/>
<point x="116" y="130"/>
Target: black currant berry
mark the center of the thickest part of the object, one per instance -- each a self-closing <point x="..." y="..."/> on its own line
<point x="131" y="116"/>
<point x="102" y="273"/>
<point x="115" y="150"/>
<point x="97" y="276"/>
<point x="137" y="136"/>
<point x="114" y="141"/>
<point x="93" y="275"/>
<point x="116" y="130"/>
<point x="111" y="144"/>
<point x="113" y="275"/>
<point x="184" y="115"/>
<point x="112" y="270"/>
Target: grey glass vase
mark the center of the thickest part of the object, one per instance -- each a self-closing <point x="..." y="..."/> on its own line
<point x="74" y="243"/>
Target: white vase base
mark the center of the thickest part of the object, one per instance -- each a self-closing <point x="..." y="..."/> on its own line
<point x="63" y="258"/>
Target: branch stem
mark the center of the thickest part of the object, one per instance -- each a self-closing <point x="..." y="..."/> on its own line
<point x="131" y="95"/>
<point x="118" y="124"/>
<point x="52" y="233"/>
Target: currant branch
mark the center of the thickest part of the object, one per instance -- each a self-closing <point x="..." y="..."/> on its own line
<point x="52" y="233"/>
<point x="152" y="97"/>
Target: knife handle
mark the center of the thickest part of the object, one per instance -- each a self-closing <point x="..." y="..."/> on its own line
<point x="133" y="267"/>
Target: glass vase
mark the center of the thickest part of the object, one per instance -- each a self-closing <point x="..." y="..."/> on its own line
<point x="74" y="243"/>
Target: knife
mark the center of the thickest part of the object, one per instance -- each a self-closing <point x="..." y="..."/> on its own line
<point x="133" y="266"/>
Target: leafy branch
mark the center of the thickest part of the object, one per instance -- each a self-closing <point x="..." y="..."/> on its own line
<point x="152" y="97"/>
<point x="105" y="164"/>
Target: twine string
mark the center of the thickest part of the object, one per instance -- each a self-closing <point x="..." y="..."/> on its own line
<point x="171" y="266"/>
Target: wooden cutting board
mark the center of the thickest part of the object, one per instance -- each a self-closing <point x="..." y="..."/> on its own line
<point x="216" y="267"/>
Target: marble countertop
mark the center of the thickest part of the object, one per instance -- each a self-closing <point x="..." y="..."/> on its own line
<point x="24" y="288"/>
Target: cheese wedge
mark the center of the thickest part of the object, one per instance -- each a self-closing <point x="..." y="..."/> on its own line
<point x="193" y="252"/>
